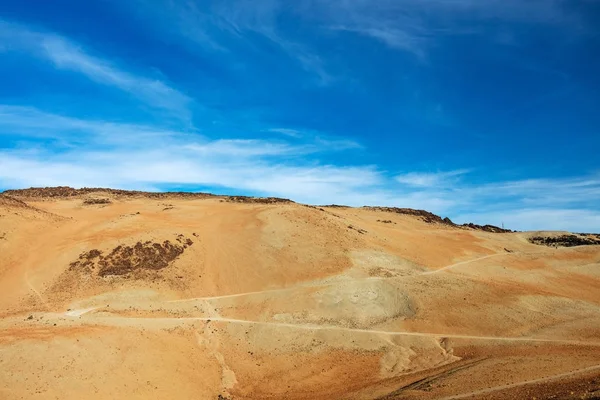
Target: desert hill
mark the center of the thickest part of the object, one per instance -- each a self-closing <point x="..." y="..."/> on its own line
<point x="117" y="294"/>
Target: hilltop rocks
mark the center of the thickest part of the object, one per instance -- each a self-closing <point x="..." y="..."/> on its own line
<point x="566" y="240"/>
<point x="432" y="218"/>
<point x="487" y="228"/>
<point x="69" y="192"/>
<point x="424" y="215"/>
<point x="260" y="200"/>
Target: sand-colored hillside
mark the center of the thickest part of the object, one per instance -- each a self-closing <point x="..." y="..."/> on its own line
<point x="110" y="294"/>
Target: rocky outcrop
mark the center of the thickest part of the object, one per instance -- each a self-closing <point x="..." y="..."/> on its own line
<point x="486" y="228"/>
<point x="69" y="192"/>
<point x="123" y="260"/>
<point x="424" y="215"/>
<point x="566" y="240"/>
<point x="259" y="200"/>
<point x="432" y="218"/>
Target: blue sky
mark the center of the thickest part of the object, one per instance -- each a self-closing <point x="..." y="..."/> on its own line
<point x="484" y="111"/>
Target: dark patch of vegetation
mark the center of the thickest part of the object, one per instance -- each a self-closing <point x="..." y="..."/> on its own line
<point x="386" y="221"/>
<point x="125" y="259"/>
<point x="566" y="240"/>
<point x="88" y="202"/>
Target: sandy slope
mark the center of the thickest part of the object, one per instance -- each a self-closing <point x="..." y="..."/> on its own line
<point x="285" y="301"/>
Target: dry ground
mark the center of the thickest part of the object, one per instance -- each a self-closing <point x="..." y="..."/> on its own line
<point x="138" y="297"/>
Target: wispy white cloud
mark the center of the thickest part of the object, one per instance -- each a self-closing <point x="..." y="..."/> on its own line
<point x="411" y="26"/>
<point x="395" y="38"/>
<point x="535" y="193"/>
<point x="414" y="25"/>
<point x="225" y="25"/>
<point x="67" y="55"/>
<point x="34" y="124"/>
<point x="266" y="148"/>
<point x="431" y="179"/>
<point x="396" y="30"/>
<point x="317" y="139"/>
<point x="288" y="132"/>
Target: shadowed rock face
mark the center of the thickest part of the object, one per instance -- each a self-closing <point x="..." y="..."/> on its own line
<point x="125" y="259"/>
<point x="566" y="240"/>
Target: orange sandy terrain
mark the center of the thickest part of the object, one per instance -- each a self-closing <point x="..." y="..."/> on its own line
<point x="108" y="295"/>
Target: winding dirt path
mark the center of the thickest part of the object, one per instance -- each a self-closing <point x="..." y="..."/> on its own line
<point x="79" y="313"/>
<point x="463" y="263"/>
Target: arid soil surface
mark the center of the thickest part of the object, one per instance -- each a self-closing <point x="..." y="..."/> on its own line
<point x="117" y="295"/>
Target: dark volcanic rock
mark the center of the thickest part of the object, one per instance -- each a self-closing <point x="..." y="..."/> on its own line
<point x="432" y="218"/>
<point x="566" y="240"/>
<point x="125" y="259"/>
<point x="487" y="228"/>
<point x="260" y="200"/>
<point x="424" y="215"/>
<point x="448" y="221"/>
